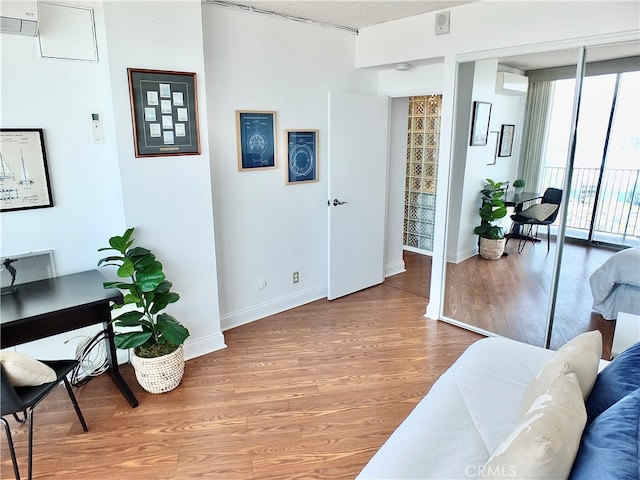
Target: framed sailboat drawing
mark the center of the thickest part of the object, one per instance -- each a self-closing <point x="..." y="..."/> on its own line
<point x="24" y="177"/>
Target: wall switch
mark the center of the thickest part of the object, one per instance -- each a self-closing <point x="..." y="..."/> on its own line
<point x="262" y="284"/>
<point x="296" y="277"/>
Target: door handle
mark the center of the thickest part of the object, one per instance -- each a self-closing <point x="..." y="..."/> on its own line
<point x="337" y="202"/>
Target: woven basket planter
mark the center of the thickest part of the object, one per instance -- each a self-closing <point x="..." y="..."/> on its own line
<point x="491" y="249"/>
<point x="159" y="374"/>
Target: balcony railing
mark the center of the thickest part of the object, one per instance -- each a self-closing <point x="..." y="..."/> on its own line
<point x="618" y="203"/>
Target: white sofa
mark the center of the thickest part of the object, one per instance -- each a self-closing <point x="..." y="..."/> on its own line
<point x="478" y="405"/>
<point x="467" y="413"/>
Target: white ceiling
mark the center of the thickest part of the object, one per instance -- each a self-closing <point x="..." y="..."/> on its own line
<point x="353" y="14"/>
<point x="357" y="14"/>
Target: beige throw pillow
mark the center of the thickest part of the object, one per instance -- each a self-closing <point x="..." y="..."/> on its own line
<point x="24" y="371"/>
<point x="545" y="443"/>
<point x="539" y="211"/>
<point x="581" y="355"/>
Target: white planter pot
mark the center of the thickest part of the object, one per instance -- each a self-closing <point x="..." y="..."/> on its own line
<point x="518" y="190"/>
<point x="159" y="374"/>
<point x="491" y="249"/>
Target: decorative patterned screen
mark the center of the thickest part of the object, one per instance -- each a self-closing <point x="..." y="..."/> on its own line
<point x="423" y="139"/>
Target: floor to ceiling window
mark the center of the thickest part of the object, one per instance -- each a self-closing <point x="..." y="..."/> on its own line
<point x="604" y="201"/>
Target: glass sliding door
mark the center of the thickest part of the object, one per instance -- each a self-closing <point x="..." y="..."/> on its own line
<point x="601" y="185"/>
<point x="603" y="205"/>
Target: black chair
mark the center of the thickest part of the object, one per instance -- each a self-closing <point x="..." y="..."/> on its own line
<point x="25" y="399"/>
<point x="552" y="196"/>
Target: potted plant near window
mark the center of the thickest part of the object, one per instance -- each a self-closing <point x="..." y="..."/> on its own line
<point x="156" y="344"/>
<point x="493" y="208"/>
<point x="518" y="186"/>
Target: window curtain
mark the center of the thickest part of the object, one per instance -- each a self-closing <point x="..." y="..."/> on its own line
<point x="534" y="140"/>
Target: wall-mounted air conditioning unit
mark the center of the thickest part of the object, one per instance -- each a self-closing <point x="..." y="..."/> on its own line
<point x="19" y="17"/>
<point x="511" y="84"/>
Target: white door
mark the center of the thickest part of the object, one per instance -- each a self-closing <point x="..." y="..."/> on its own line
<point x="357" y="170"/>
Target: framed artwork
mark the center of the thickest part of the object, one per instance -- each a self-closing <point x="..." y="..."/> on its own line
<point x="493" y="147"/>
<point x="480" y="123"/>
<point x="302" y="156"/>
<point x="506" y="140"/>
<point x="24" y="175"/>
<point x="164" y="107"/>
<point x="256" y="137"/>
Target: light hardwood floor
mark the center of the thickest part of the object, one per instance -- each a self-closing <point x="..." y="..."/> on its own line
<point x="309" y="393"/>
<point x="510" y="296"/>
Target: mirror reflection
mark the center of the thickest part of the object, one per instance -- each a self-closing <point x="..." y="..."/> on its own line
<point x="510" y="296"/>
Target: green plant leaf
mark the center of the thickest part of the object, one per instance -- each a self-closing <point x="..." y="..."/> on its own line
<point x="126" y="270"/>
<point x="131" y="339"/>
<point x="172" y="330"/>
<point x="161" y="300"/>
<point x="112" y="258"/>
<point x="121" y="244"/>
<point x="129" y="319"/>
<point x="121" y="285"/>
<point x="149" y="281"/>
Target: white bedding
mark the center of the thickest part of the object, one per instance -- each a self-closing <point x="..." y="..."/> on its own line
<point x="615" y="285"/>
<point x="467" y="413"/>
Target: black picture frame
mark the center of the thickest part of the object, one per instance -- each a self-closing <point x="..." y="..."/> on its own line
<point x="256" y="139"/>
<point x="164" y="108"/>
<point x="302" y="156"/>
<point x="23" y="170"/>
<point x="480" y="123"/>
<point x="506" y="140"/>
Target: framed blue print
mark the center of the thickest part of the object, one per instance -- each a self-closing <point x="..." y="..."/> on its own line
<point x="256" y="136"/>
<point x="302" y="156"/>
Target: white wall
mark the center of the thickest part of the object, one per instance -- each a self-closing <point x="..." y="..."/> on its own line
<point x="265" y="229"/>
<point x="168" y="199"/>
<point x="487" y="25"/>
<point x="59" y="97"/>
<point x="396" y="179"/>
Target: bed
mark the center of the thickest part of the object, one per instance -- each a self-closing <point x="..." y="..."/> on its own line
<point x="615" y="285"/>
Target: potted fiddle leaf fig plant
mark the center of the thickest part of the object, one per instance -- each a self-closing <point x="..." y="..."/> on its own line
<point x="154" y="337"/>
<point x="493" y="208"/>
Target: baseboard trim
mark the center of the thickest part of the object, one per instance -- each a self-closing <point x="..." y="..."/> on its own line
<point x="242" y="317"/>
<point x="394" y="268"/>
<point x="204" y="345"/>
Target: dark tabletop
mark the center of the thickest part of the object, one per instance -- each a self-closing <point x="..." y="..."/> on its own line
<point x="512" y="199"/>
<point x="43" y="297"/>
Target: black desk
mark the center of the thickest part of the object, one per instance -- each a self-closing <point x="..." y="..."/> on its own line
<point x="512" y="199"/>
<point x="49" y="307"/>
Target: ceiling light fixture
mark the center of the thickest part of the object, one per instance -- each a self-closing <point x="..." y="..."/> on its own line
<point x="403" y="67"/>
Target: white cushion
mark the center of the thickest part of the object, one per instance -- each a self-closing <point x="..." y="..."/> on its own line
<point x="580" y="355"/>
<point x="539" y="211"/>
<point x="24" y="371"/>
<point x="545" y="443"/>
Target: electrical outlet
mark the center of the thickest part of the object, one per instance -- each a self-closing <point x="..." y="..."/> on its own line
<point x="296" y="277"/>
<point x="262" y="284"/>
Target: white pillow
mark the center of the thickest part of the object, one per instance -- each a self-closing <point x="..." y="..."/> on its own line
<point x="539" y="211"/>
<point x="580" y="355"/>
<point x="24" y="371"/>
<point x="545" y="443"/>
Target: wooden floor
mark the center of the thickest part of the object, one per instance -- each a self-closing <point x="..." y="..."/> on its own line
<point x="510" y="296"/>
<point x="309" y="393"/>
